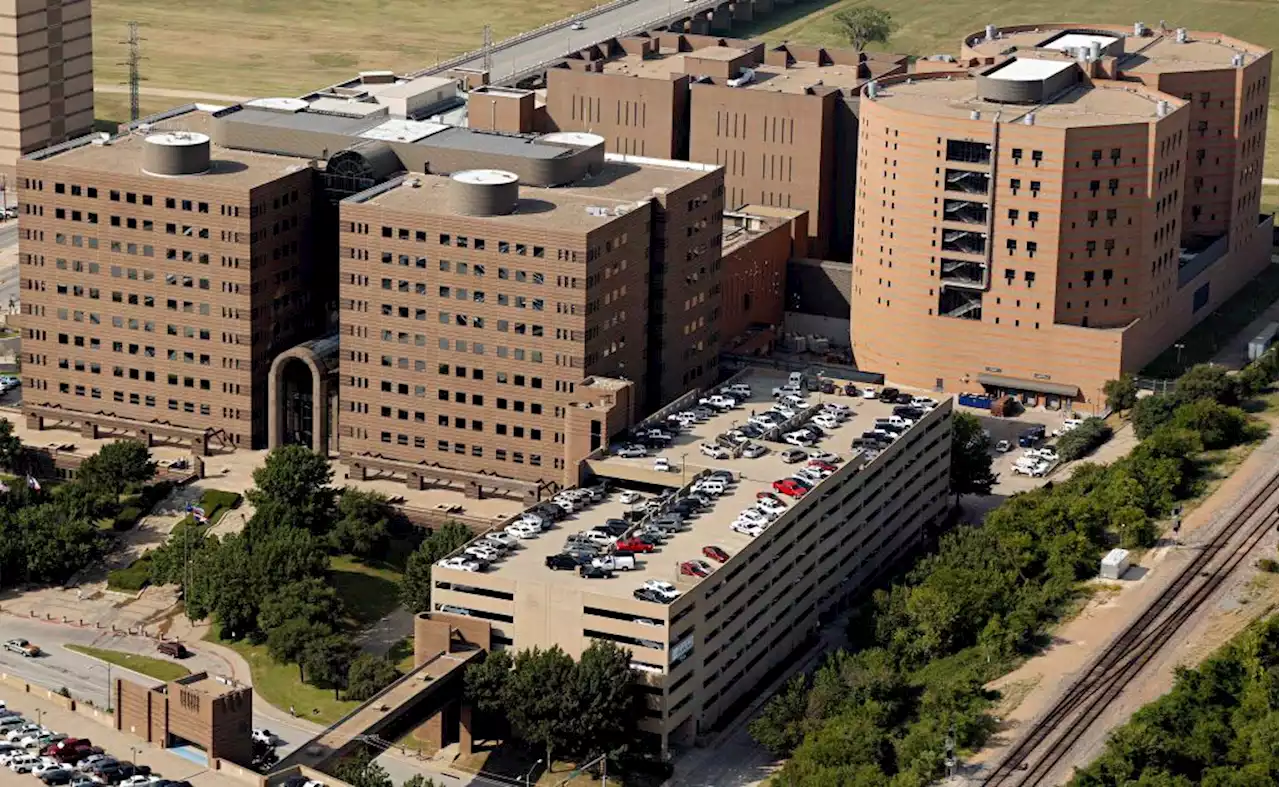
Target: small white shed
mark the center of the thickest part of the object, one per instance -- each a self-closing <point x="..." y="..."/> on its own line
<point x="1114" y="564"/>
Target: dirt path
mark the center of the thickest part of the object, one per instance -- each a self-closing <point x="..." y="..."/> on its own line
<point x="1032" y="688"/>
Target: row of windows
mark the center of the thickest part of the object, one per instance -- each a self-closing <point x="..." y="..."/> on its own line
<point x="133" y="398"/>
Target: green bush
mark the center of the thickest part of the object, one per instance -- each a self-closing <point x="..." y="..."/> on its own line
<point x="1084" y="439"/>
<point x="127" y="518"/>
<point x="1218" y="426"/>
<point x="1268" y="565"/>
<point x="216" y="501"/>
<point x="133" y="578"/>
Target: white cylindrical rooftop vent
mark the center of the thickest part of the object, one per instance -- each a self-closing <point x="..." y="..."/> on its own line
<point x="1180" y="35"/>
<point x="1162" y="108"/>
<point x="1095" y="50"/>
<point x="1237" y="59"/>
<point x="484" y="192"/>
<point x="975" y="115"/>
<point x="1029" y="119"/>
<point x="1139" y="29"/>
<point x="991" y="32"/>
<point x="873" y="89"/>
<point x="172" y="153"/>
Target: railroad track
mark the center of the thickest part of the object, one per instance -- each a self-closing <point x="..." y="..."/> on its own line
<point x="1034" y="758"/>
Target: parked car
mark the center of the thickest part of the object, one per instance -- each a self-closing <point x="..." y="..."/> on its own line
<point x="1004" y="447"/>
<point x="645" y="594"/>
<point x="740" y="391"/>
<point x="695" y="568"/>
<point x="592" y="571"/>
<point x="662" y="465"/>
<point x="747" y="528"/>
<point x="790" y="488"/>
<point x="631" y="451"/>
<point x="459" y="564"/>
<point x="665" y="590"/>
<point x="889" y="394"/>
<point x="715" y="553"/>
<point x="173" y="649"/>
<point x="629" y="497"/>
<point x="754" y="450"/>
<point x="1030" y="436"/>
<point x="719" y="402"/>
<point x="522" y="530"/>
<point x="633" y="545"/>
<point x="616" y="562"/>
<point x="22" y="647"/>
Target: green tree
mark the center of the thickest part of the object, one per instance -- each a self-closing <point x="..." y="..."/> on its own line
<point x="359" y="770"/>
<point x="486" y="681"/>
<point x="119" y="465"/>
<point x="1207" y="381"/>
<point x="1260" y="375"/>
<point x="1082" y="440"/>
<point x="866" y="24"/>
<point x="418" y="780"/>
<point x="362" y="525"/>
<point x="1218" y="426"/>
<point x="1121" y="393"/>
<point x="415" y="585"/>
<point x="293" y="640"/>
<point x="368" y="675"/>
<point x="12" y="452"/>
<point x="970" y="457"/>
<point x="291" y="489"/>
<point x="539" y="699"/>
<point x="1150" y="413"/>
<point x="327" y="660"/>
<point x="171" y="560"/>
<point x="606" y="702"/>
<point x="53" y="546"/>
<point x="780" y="727"/>
<point x="311" y="600"/>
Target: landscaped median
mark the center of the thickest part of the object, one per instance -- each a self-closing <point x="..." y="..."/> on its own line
<point x="159" y="669"/>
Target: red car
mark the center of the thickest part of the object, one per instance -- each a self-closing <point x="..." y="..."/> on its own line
<point x="695" y="568"/>
<point x="633" y="545"/>
<point x="768" y="496"/>
<point x="790" y="487"/>
<point x="824" y="466"/>
<point x="715" y="553"/>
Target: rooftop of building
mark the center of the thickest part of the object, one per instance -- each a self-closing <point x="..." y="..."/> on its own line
<point x="625" y="182"/>
<point x="741" y="226"/>
<point x="1103" y="103"/>
<point x="124" y="154"/>
<point x="210" y="686"/>
<point x="798" y="76"/>
<point x="1156" y="51"/>
<point x="711" y="527"/>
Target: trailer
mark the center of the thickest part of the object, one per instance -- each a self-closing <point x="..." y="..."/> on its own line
<point x="1114" y="564"/>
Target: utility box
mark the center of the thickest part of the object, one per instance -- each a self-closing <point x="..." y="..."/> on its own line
<point x="1115" y="564"/>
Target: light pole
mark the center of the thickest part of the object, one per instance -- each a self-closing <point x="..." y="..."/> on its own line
<point x="135" y="751"/>
<point x="532" y="768"/>
<point x="682" y="478"/>
<point x="1179" y="346"/>
<point x="107" y="667"/>
<point x="39" y="717"/>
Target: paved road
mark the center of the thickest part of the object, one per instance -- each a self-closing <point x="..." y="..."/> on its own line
<point x="86" y="677"/>
<point x="558" y="39"/>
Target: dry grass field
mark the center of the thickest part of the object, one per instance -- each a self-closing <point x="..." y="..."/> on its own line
<point x="279" y="47"/>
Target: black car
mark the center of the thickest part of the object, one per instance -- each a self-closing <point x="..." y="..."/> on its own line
<point x="651" y="538"/>
<point x="594" y="572"/>
<point x="903" y="398"/>
<point x="906" y="411"/>
<point x="722" y="475"/>
<point x="644" y="594"/>
<point x="561" y="562"/>
<point x="613" y="528"/>
<point x="889" y="395"/>
<point x="60" y="776"/>
<point x="554" y="512"/>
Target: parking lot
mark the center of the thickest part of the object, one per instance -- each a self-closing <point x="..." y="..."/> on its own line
<point x="168" y="769"/>
<point x="712" y="526"/>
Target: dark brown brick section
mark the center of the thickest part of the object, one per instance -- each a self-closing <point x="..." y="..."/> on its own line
<point x="216" y="717"/>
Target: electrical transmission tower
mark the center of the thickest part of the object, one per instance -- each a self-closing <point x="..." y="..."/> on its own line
<point x="134" y="62"/>
<point x="488" y="49"/>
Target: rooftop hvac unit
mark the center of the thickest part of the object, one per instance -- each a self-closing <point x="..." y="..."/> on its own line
<point x="597" y="210"/>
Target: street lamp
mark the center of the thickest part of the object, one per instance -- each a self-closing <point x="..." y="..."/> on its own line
<point x="39" y="717"/>
<point x="682" y="478"/>
<point x="107" y="667"/>
<point x="1179" y="346"/>
<point x="135" y="751"/>
<point x="531" y="770"/>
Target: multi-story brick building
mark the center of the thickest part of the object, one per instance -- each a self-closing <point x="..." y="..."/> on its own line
<point x="161" y="273"/>
<point x="475" y="307"/>
<point x="1048" y="212"/>
<point x="46" y="76"/>
<point x="781" y="121"/>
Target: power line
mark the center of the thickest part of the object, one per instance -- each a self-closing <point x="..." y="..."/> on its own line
<point x="134" y="63"/>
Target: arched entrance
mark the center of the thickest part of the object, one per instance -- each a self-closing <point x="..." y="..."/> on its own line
<point x="301" y="390"/>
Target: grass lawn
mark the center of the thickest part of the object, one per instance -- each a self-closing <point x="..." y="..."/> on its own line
<point x="370" y="591"/>
<point x="926" y="28"/>
<point x="160" y="669"/>
<point x="278" y="685"/>
<point x="112" y="109"/>
<point x="271" y="47"/>
<point x="401" y="654"/>
<point x="1203" y="341"/>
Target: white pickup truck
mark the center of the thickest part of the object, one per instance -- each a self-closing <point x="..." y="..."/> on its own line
<point x="615" y="562"/>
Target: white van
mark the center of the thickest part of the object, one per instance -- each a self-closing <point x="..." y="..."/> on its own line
<point x="710" y="485"/>
<point x="796" y="379"/>
<point x="893" y="420"/>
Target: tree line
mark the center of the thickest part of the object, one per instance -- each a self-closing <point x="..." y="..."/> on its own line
<point x="924" y="647"/>
<point x="1217" y="727"/>
<point x="270" y="582"/>
<point x="48" y="533"/>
